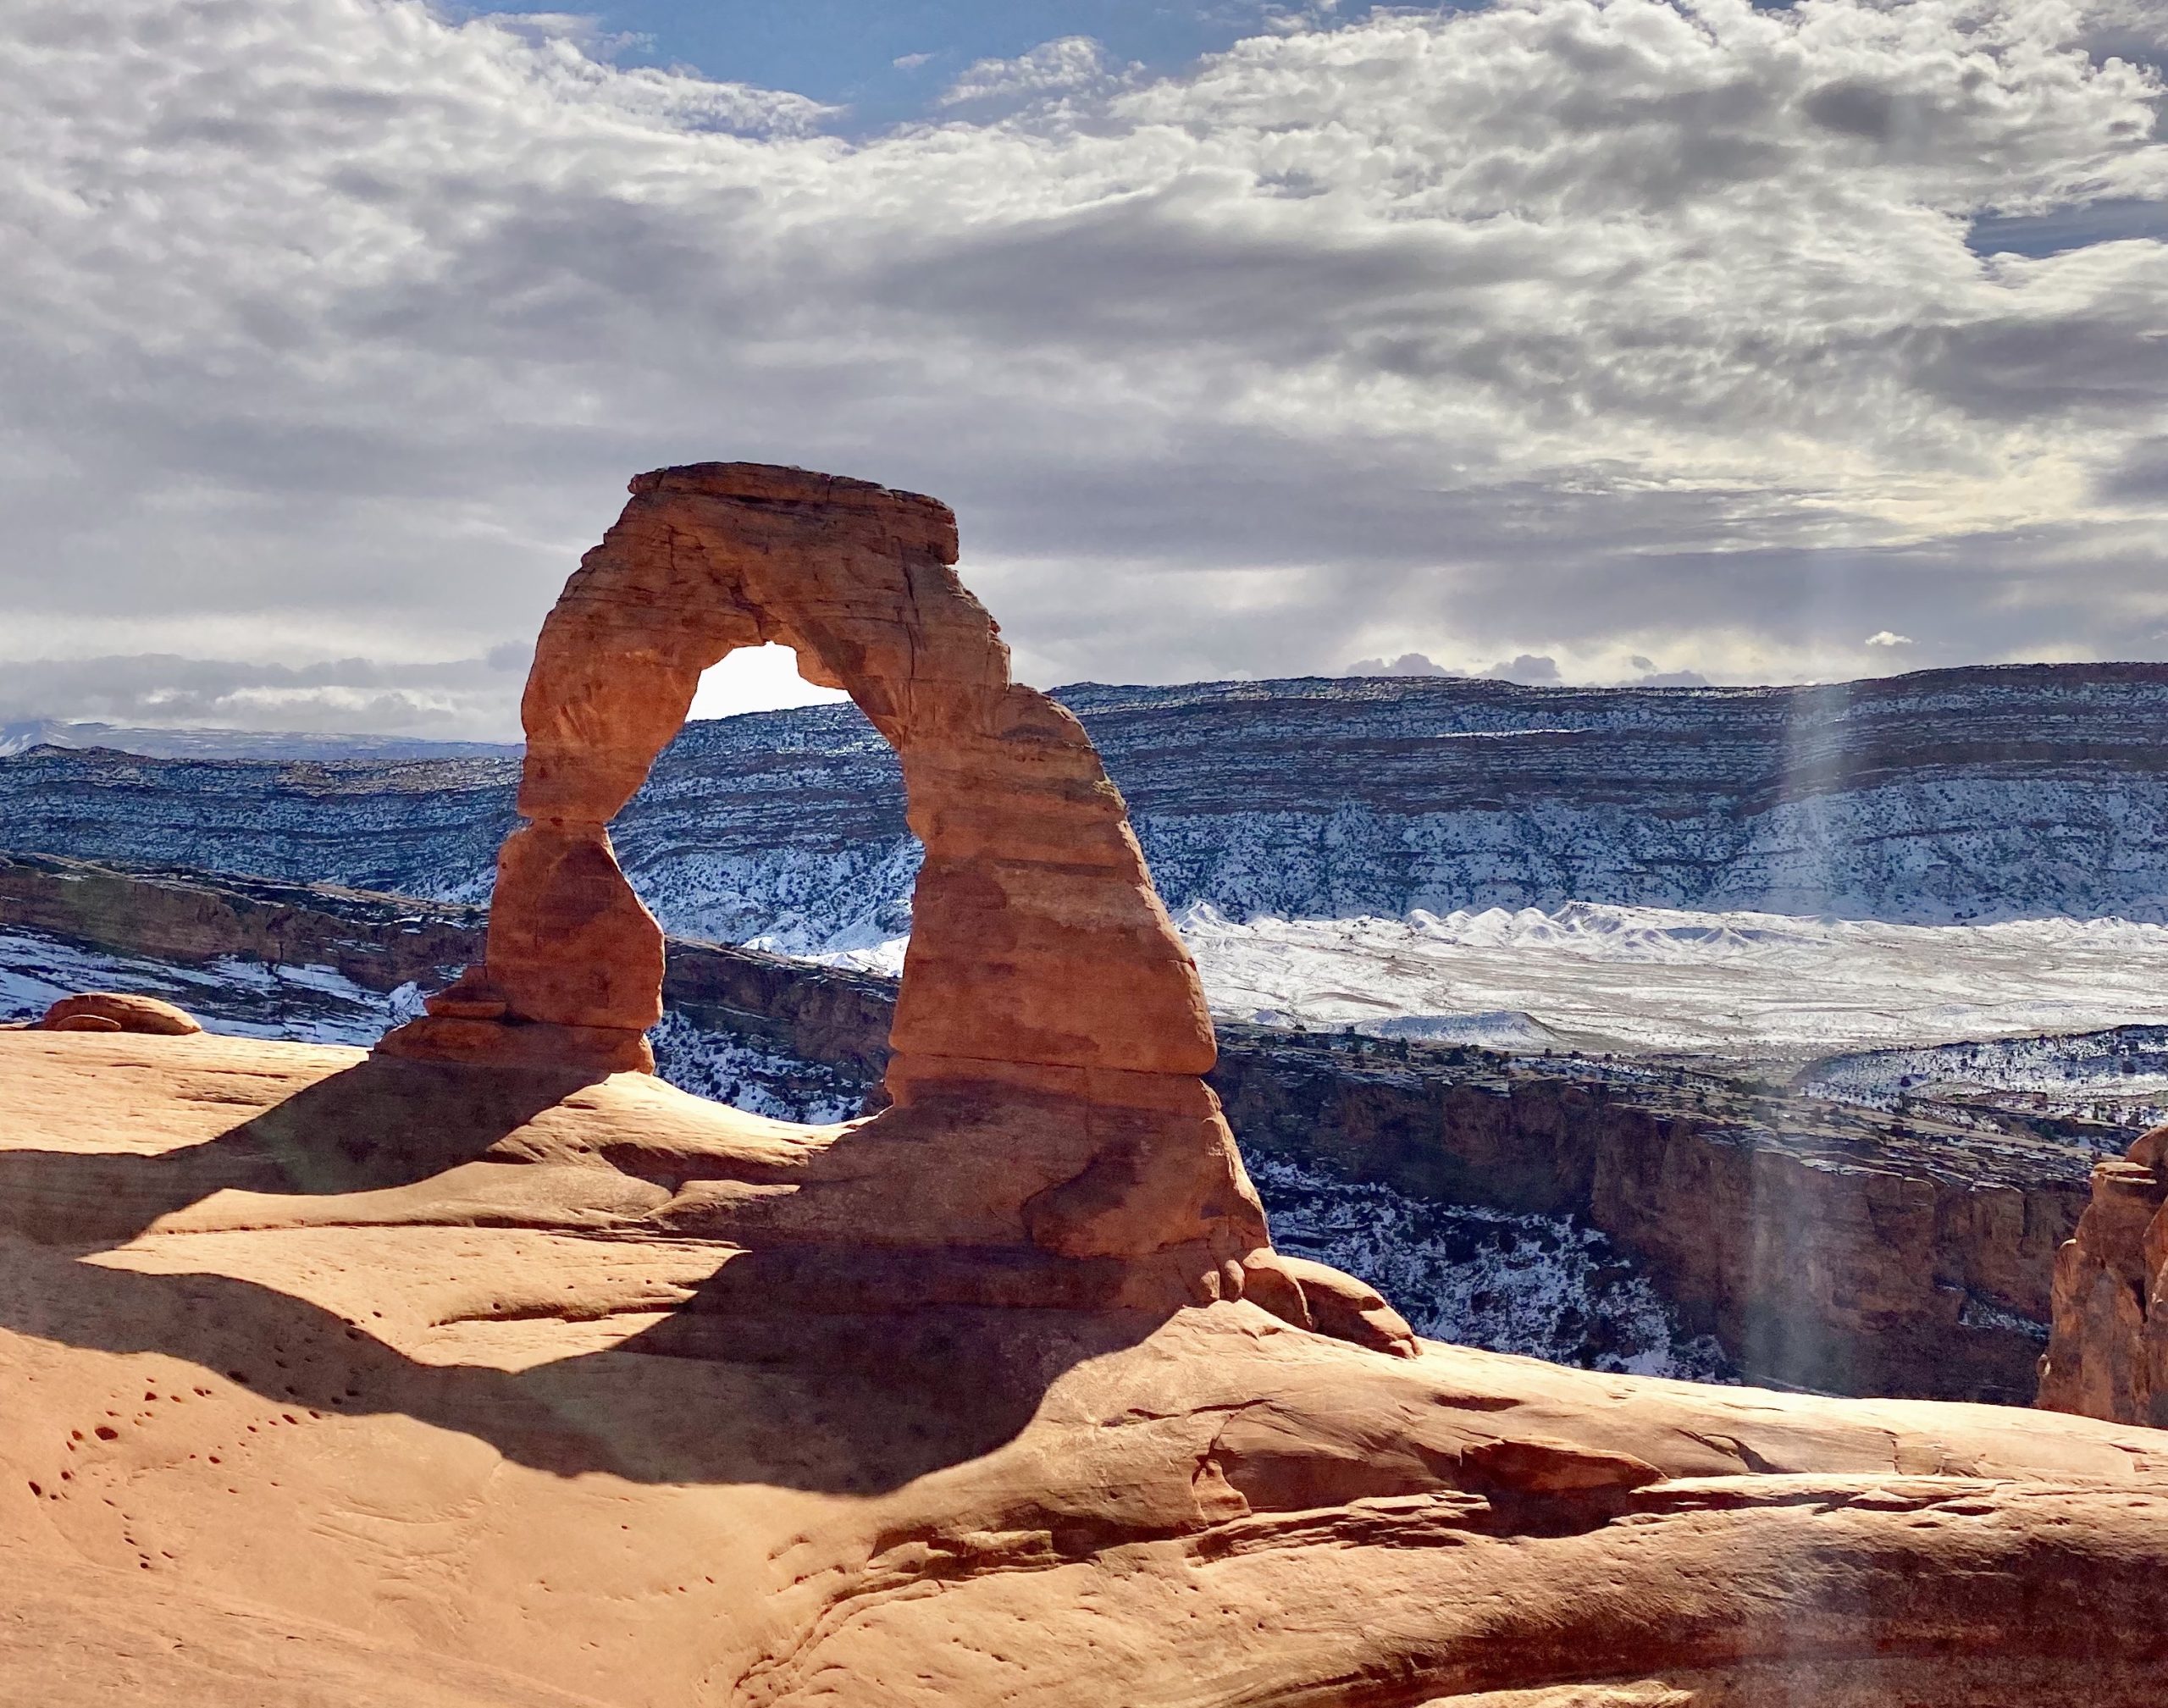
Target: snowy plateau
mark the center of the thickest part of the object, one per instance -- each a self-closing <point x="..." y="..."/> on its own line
<point x="1950" y="797"/>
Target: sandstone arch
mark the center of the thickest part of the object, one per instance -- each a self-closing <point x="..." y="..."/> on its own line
<point x="1051" y="1035"/>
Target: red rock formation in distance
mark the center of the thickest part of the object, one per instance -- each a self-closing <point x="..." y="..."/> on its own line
<point x="2108" y="1354"/>
<point x="1051" y="1034"/>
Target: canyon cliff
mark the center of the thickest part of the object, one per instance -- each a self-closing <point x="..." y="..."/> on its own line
<point x="2108" y="1357"/>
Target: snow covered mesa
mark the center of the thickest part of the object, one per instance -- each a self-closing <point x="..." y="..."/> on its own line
<point x="1957" y="796"/>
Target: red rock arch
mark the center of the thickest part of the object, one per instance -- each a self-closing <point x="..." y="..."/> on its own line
<point x="1051" y="1034"/>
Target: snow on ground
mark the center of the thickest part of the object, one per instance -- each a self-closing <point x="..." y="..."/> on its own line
<point x="250" y="999"/>
<point x="727" y="1069"/>
<point x="1741" y="985"/>
<point x="1544" y="1286"/>
<point x="2118" y="1077"/>
<point x="1596" y="976"/>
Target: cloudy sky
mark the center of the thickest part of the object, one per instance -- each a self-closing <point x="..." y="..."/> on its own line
<point x="1585" y="340"/>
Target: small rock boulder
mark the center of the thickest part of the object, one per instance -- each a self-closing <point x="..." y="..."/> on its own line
<point x="118" y="1011"/>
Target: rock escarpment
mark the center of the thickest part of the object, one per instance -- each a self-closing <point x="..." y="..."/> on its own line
<point x="1050" y="1037"/>
<point x="1992" y="792"/>
<point x="194" y="918"/>
<point x="2108" y="1355"/>
<point x="1824" y="1247"/>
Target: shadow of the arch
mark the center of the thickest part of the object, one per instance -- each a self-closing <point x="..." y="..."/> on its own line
<point x="831" y="1405"/>
<point x="741" y="1383"/>
<point x="377" y="1124"/>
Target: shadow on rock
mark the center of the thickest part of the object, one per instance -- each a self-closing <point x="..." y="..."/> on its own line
<point x="747" y="1383"/>
<point x="380" y="1123"/>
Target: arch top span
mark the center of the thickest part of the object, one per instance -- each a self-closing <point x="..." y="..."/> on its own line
<point x="717" y="555"/>
<point x="1051" y="1034"/>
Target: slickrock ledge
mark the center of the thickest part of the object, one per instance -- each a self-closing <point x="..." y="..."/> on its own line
<point x="2108" y="1353"/>
<point x="1050" y="1137"/>
<point x="415" y="1372"/>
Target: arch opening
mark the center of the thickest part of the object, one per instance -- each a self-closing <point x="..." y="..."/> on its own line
<point x="766" y="677"/>
<point x="709" y="848"/>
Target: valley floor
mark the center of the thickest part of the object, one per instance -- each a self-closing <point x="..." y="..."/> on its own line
<point x="1738" y="985"/>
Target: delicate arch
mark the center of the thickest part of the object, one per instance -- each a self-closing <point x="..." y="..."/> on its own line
<point x="1051" y="1034"/>
<point x="1038" y="939"/>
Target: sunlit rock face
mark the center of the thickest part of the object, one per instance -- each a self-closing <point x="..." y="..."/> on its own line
<point x="2108" y="1355"/>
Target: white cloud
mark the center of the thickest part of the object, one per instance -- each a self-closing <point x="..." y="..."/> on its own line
<point x="1052" y="68"/>
<point x="344" y="694"/>
<point x="331" y="330"/>
<point x="911" y="62"/>
<point x="582" y="29"/>
<point x="1528" y="667"/>
<point x="1407" y="664"/>
<point x="1885" y="637"/>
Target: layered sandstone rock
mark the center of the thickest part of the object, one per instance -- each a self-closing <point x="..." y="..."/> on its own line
<point x="2108" y="1355"/>
<point x="1050" y="1037"/>
<point x="327" y="1379"/>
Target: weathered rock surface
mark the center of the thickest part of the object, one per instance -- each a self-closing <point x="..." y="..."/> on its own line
<point x="333" y="1379"/>
<point x="1825" y="1247"/>
<point x="173" y="914"/>
<point x="1050" y="1036"/>
<point x="2108" y="1357"/>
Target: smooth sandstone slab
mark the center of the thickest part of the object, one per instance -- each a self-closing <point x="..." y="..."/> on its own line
<point x="415" y="1380"/>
